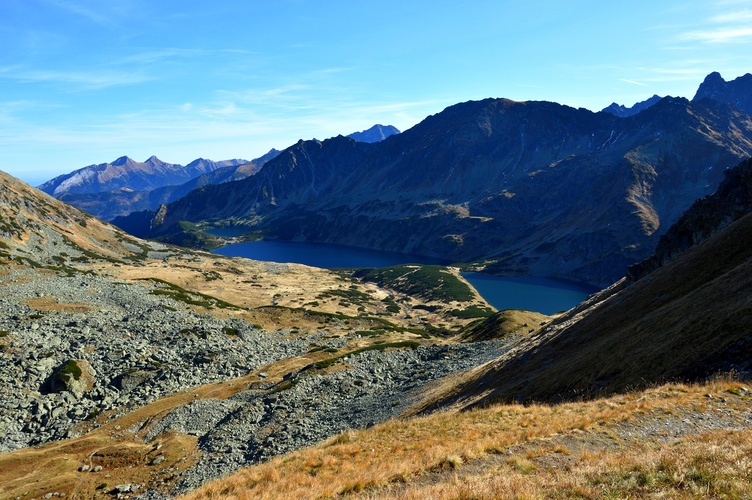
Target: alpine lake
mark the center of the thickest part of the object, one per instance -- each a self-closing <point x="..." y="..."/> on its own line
<point x="544" y="295"/>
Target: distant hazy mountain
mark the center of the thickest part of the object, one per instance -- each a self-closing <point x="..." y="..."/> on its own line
<point x="119" y="202"/>
<point x="526" y="188"/>
<point x="737" y="92"/>
<point x="622" y="111"/>
<point x="130" y="174"/>
<point x="376" y="133"/>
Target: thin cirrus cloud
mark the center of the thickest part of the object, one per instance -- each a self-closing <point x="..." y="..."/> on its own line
<point x="82" y="80"/>
<point x="733" y="17"/>
<point x="726" y="27"/>
<point x="156" y="56"/>
<point x="633" y="82"/>
<point x="720" y="35"/>
<point x="101" y="13"/>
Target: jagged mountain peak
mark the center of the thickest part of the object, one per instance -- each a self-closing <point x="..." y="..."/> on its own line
<point x="622" y="111"/>
<point x="737" y="92"/>
<point x="123" y="160"/>
<point x="154" y="160"/>
<point x="376" y="133"/>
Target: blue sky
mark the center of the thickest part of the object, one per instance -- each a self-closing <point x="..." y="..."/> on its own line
<point x="86" y="81"/>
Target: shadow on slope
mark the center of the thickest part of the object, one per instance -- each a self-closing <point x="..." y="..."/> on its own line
<point x="689" y="319"/>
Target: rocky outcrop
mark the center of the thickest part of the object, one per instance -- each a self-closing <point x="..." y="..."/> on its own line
<point x="76" y="376"/>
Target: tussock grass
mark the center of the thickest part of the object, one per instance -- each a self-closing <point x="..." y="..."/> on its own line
<point x="518" y="451"/>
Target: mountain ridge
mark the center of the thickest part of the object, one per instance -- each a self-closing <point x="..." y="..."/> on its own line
<point x="125" y="172"/>
<point x="622" y="111"/>
<point x="485" y="181"/>
<point x="108" y="205"/>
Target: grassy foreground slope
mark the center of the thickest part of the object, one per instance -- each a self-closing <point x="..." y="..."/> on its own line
<point x="675" y="441"/>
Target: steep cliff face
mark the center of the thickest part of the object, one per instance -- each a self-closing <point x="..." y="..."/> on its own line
<point x="531" y="188"/>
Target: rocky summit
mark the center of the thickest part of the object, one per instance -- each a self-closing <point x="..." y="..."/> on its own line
<point x="737" y="92"/>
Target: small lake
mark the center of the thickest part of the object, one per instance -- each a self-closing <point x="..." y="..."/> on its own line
<point x="319" y="254"/>
<point x="544" y="295"/>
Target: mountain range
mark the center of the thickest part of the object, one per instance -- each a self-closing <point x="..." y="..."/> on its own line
<point x="116" y="189"/>
<point x="101" y="200"/>
<point x="125" y="173"/>
<point x="167" y="368"/>
<point x="517" y="188"/>
<point x="132" y="367"/>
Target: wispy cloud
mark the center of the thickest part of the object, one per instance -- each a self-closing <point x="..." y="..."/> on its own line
<point x="733" y="17"/>
<point x="727" y="25"/>
<point x="95" y="15"/>
<point x="632" y="82"/>
<point x="81" y="80"/>
<point x="156" y="56"/>
<point x="719" y="35"/>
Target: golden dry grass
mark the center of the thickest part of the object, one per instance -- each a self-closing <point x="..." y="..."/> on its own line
<point x="507" y="452"/>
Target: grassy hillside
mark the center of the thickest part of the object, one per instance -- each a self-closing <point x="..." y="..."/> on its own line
<point x="675" y="441"/>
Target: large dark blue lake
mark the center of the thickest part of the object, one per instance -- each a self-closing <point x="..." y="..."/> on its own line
<point x="544" y="295"/>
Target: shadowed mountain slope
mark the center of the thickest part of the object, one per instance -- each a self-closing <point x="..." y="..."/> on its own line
<point x="708" y="215"/>
<point x="689" y="319"/>
<point x="526" y="188"/>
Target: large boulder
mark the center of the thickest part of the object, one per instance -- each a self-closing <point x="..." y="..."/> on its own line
<point x="76" y="376"/>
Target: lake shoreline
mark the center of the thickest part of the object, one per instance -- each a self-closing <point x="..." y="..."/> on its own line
<point x="545" y="295"/>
